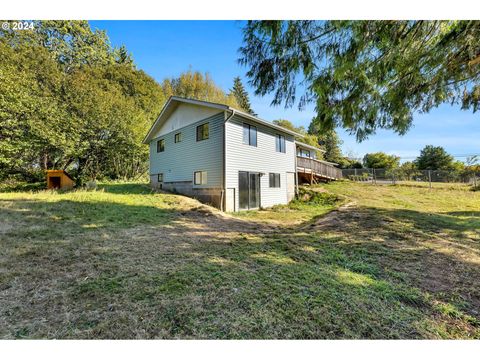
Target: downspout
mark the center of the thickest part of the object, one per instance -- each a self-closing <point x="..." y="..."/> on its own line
<point x="296" y="169"/>
<point x="222" y="197"/>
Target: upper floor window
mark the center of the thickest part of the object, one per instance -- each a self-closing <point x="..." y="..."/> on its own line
<point x="178" y="137"/>
<point x="304" y="153"/>
<point x="274" y="180"/>
<point x="160" y="177"/>
<point x="249" y="135"/>
<point x="202" y="132"/>
<point x="200" y="177"/>
<point x="280" y="143"/>
<point x="160" y="145"/>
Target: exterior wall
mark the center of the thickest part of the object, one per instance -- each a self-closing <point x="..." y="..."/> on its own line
<point x="180" y="160"/>
<point x="184" y="115"/>
<point x="263" y="158"/>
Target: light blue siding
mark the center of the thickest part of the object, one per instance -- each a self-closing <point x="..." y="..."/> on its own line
<point x="263" y="158"/>
<point x="179" y="160"/>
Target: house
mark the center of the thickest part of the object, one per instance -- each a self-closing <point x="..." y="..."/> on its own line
<point x="225" y="157"/>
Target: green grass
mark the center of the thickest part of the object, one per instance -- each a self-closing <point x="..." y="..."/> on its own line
<point x="123" y="262"/>
<point x="311" y="204"/>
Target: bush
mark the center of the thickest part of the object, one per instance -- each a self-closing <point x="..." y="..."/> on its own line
<point x="17" y="186"/>
<point x="312" y="197"/>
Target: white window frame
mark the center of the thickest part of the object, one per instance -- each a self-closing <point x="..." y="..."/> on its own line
<point x="203" y="180"/>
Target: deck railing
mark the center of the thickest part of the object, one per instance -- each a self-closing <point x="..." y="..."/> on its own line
<point x="318" y="168"/>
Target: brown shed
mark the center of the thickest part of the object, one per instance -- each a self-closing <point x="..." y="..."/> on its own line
<point x="59" y="179"/>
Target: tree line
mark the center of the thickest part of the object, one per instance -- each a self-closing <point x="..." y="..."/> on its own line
<point x="70" y="100"/>
<point x="430" y="158"/>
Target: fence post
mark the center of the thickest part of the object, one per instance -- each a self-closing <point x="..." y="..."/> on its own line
<point x="374" y="179"/>
<point x="430" y="178"/>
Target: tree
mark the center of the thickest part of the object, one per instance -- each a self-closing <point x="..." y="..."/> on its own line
<point x="287" y="124"/>
<point x="365" y="75"/>
<point x="305" y="137"/>
<point x="195" y="85"/>
<point x="330" y="142"/>
<point x="67" y="103"/>
<point x="407" y="170"/>
<point x="241" y="95"/>
<point x="123" y="56"/>
<point x="380" y="160"/>
<point x="434" y="158"/>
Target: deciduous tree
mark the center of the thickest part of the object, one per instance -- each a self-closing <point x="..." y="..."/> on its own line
<point x="380" y="160"/>
<point x="434" y="158"/>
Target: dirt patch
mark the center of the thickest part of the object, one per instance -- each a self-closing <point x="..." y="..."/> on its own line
<point x="336" y="217"/>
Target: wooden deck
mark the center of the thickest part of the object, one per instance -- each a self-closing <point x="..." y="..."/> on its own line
<point x="313" y="171"/>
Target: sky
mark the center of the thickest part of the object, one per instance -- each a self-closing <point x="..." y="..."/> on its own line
<point x="165" y="49"/>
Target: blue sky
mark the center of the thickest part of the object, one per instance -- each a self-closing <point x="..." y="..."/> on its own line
<point x="167" y="48"/>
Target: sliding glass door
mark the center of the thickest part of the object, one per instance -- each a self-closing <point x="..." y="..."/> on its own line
<point x="249" y="190"/>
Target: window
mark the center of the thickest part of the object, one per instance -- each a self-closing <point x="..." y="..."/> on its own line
<point x="160" y="145"/>
<point x="178" y="137"/>
<point x="160" y="177"/>
<point x="280" y="143"/>
<point x="303" y="153"/>
<point x="249" y="135"/>
<point x="274" y="180"/>
<point x="202" y="132"/>
<point x="200" y="177"/>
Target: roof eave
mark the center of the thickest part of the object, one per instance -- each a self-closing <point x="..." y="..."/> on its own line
<point x="178" y="99"/>
<point x="266" y="123"/>
<point x="311" y="147"/>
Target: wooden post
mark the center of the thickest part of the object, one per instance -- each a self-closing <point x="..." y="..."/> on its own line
<point x="311" y="171"/>
<point x="430" y="178"/>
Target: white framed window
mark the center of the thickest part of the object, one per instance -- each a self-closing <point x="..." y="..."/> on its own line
<point x="202" y="132"/>
<point x="249" y="134"/>
<point x="178" y="137"/>
<point x="274" y="180"/>
<point x="160" y="177"/>
<point x="161" y="145"/>
<point x="280" y="143"/>
<point x="200" y="178"/>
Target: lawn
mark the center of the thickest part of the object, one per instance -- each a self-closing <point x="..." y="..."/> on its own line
<point x="352" y="261"/>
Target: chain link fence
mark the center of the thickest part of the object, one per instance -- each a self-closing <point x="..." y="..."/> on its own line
<point x="399" y="176"/>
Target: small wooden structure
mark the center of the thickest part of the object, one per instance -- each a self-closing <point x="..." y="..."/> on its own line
<point x="59" y="179"/>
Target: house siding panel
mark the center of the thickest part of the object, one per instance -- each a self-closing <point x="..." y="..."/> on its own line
<point x="262" y="158"/>
<point x="179" y="160"/>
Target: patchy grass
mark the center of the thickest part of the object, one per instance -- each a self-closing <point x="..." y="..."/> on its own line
<point x="123" y="262"/>
<point x="310" y="204"/>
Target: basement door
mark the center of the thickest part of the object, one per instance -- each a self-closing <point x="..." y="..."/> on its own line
<point x="249" y="190"/>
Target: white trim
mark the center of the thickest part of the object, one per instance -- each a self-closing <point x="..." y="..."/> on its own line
<point x="307" y="146"/>
<point x="267" y="123"/>
<point x="178" y="99"/>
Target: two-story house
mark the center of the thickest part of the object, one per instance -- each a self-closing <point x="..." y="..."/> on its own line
<point x="222" y="156"/>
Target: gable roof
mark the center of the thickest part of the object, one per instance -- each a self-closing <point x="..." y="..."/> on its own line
<point x="174" y="101"/>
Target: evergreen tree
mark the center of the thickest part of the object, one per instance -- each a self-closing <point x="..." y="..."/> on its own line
<point x="365" y="75"/>
<point x="241" y="95"/>
<point x="123" y="56"/>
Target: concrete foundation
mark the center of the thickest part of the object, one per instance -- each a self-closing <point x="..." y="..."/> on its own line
<point x="210" y="196"/>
